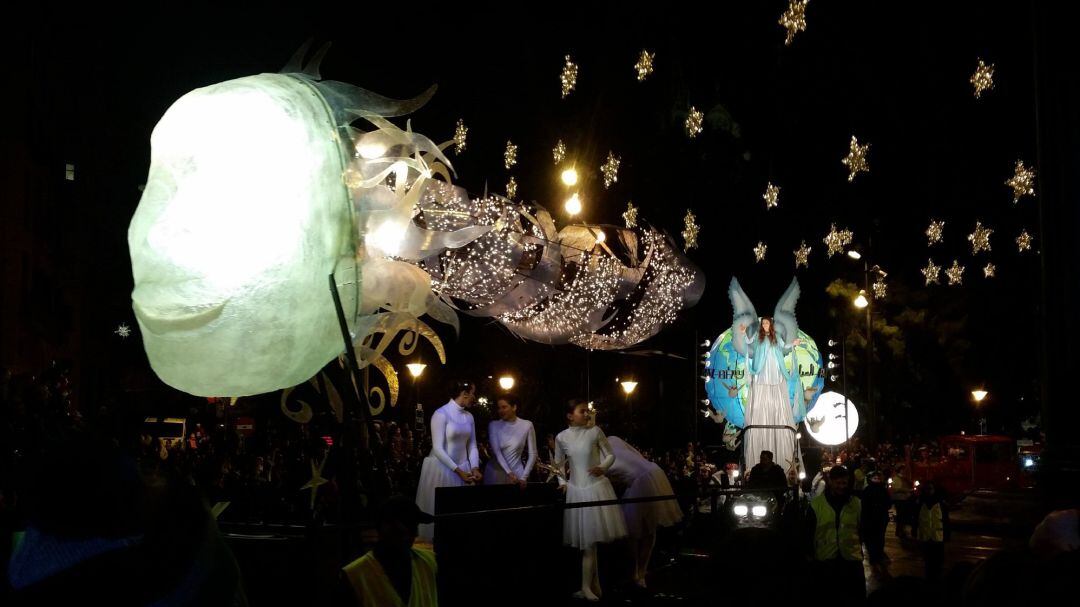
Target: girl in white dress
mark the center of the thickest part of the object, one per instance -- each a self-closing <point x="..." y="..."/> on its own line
<point x="454" y="460"/>
<point x="642" y="478"/>
<point x="589" y="456"/>
<point x="511" y="437"/>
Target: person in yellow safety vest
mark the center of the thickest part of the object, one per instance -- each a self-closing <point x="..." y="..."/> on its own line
<point x="833" y="524"/>
<point x="394" y="573"/>
<point x="901" y="498"/>
<point x="932" y="531"/>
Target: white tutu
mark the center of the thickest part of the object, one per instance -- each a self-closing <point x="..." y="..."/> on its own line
<point x="433" y="474"/>
<point x="643" y="518"/>
<point x="583" y="527"/>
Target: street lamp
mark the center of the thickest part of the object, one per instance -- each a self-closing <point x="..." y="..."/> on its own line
<point x="854" y="254"/>
<point x="628" y="386"/>
<point x="861" y="301"/>
<point x="506" y="382"/>
<point x="978" y="396"/>
<point x="416" y="370"/>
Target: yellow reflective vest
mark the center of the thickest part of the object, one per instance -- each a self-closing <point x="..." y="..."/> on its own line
<point x="931" y="527"/>
<point x="373" y="587"/>
<point x="834" y="538"/>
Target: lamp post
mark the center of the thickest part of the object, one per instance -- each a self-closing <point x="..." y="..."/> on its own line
<point x="978" y="396"/>
<point x="628" y="387"/>
<point x="862" y="302"/>
<point x="416" y="370"/>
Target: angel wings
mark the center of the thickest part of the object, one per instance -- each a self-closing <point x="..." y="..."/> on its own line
<point x="787" y="327"/>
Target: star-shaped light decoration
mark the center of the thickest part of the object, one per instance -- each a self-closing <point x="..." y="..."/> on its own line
<point x="794" y="19"/>
<point x="855" y="161"/>
<point x="694" y="122"/>
<point x="989" y="270"/>
<point x="980" y="238"/>
<point x="610" y="169"/>
<point x="880" y="289"/>
<point x="836" y="240"/>
<point x="568" y="77"/>
<point x="559" y="151"/>
<point x="771" y="195"/>
<point x="932" y="272"/>
<point x="955" y="273"/>
<point x="511" y="188"/>
<point x="933" y="233"/>
<point x="1023" y="241"/>
<point x="690" y="230"/>
<point x="630" y="215"/>
<point x="983" y="79"/>
<point x="510" y="155"/>
<point x="123" y="331"/>
<point x="316" y="481"/>
<point x="759" y="251"/>
<point x="461" y="132"/>
<point x="644" y="64"/>
<point x="1022" y="182"/>
<point x="802" y="256"/>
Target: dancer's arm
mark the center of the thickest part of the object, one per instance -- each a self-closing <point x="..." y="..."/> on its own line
<point x="493" y="438"/>
<point x="438" y="441"/>
<point x="531" y="445"/>
<point x="607" y="455"/>
<point x="560" y="462"/>
<point x="474" y="453"/>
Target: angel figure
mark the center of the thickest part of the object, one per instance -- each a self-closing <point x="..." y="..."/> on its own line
<point x="776" y="397"/>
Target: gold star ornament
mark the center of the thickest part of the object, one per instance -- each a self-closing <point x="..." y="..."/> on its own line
<point x="559" y="151"/>
<point x="931" y="272"/>
<point x="690" y="230"/>
<point x="316" y="481"/>
<point x="630" y="215"/>
<point x="794" y="19"/>
<point x="460" y="133"/>
<point x="510" y="155"/>
<point x="855" y="161"/>
<point x="836" y="240"/>
<point x="989" y="270"/>
<point x="933" y="233"/>
<point x="568" y="77"/>
<point x="880" y="288"/>
<point x="511" y="188"/>
<point x="644" y="65"/>
<point x="610" y="169"/>
<point x="1023" y="241"/>
<point x="955" y="273"/>
<point x="983" y="78"/>
<point x="802" y="256"/>
<point x="1022" y="182"/>
<point x="694" y="122"/>
<point x="771" y="196"/>
<point x="980" y="238"/>
<point x="759" y="251"/>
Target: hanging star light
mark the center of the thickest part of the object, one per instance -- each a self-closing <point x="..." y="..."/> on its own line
<point x="802" y="256"/>
<point x="690" y="230"/>
<point x="983" y="79"/>
<point x="511" y="188"/>
<point x="955" y="273"/>
<point x="933" y="233"/>
<point x="980" y="238"/>
<point x="460" y="133"/>
<point x="759" y="251"/>
<point x="123" y="331"/>
<point x="1023" y="241"/>
<point x="559" y="151"/>
<point x="989" y="270"/>
<point x="771" y="196"/>
<point x="510" y="155"/>
<point x="644" y="65"/>
<point x="931" y="272"/>
<point x="568" y="77"/>
<point x="836" y="240"/>
<point x="694" y="121"/>
<point x="630" y="215"/>
<point x="1022" y="182"/>
<point x="880" y="288"/>
<point x="610" y="169"/>
<point x="855" y="161"/>
<point x="794" y="19"/>
<point x="316" y="481"/>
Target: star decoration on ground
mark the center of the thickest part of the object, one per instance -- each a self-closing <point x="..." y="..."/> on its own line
<point x="771" y="196"/>
<point x="955" y="273"/>
<point x="559" y="151"/>
<point x="123" y="331"/>
<point x="1022" y="182"/>
<point x="1023" y="241"/>
<point x="316" y="481"/>
<point x="759" y="251"/>
<point x="880" y="289"/>
<point x="690" y="230"/>
<point x="980" y="238"/>
<point x="933" y="233"/>
<point x="644" y="65"/>
<point x="855" y="161"/>
<point x="610" y="169"/>
<point x="460" y="133"/>
<point x="568" y="77"/>
<point x="835" y="240"/>
<point x="794" y="19"/>
<point x="630" y="215"/>
<point x="511" y="188"/>
<point x="931" y="272"/>
<point x="510" y="155"/>
<point x="983" y="79"/>
<point x="694" y="121"/>
<point x="989" y="270"/>
<point x="802" y="256"/>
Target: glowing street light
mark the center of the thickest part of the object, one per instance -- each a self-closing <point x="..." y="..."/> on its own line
<point x="854" y="254"/>
<point x="416" y="369"/>
<point x="506" y="382"/>
<point x="628" y="386"/>
<point x="861" y="301"/>
<point x="573" y="205"/>
<point x="979" y="395"/>
<point x="569" y="176"/>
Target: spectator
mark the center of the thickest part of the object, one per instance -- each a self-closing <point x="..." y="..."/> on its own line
<point x="766" y="474"/>
<point x="933" y="530"/>
<point x="394" y="573"/>
<point x="834" y="520"/>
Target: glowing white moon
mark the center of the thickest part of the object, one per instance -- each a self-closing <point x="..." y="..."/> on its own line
<point x="825" y="422"/>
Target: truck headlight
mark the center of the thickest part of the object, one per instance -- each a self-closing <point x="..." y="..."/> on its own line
<point x="741" y="510"/>
<point x="760" y="511"/>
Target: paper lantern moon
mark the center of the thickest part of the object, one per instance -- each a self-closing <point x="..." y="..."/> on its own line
<point x="727" y="388"/>
<point x="825" y="421"/>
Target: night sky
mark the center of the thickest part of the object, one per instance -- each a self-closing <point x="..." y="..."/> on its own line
<point x="89" y="89"/>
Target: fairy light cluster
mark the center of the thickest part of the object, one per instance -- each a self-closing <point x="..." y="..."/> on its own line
<point x="630" y="215"/>
<point x="836" y="240"/>
<point x="802" y="256"/>
<point x="558" y="153"/>
<point x="461" y="133"/>
<point x="955" y="274"/>
<point x="983" y="78"/>
<point x="610" y="169"/>
<point x="934" y="232"/>
<point x="510" y="155"/>
<point x="771" y="196"/>
<point x="1022" y="182"/>
<point x="1023" y="241"/>
<point x="856" y="161"/>
<point x="568" y="77"/>
<point x="644" y="65"/>
<point x="980" y="238"/>
<point x="794" y="19"/>
<point x="694" y="122"/>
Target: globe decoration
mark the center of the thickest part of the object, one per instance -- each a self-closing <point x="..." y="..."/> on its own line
<point x="727" y="386"/>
